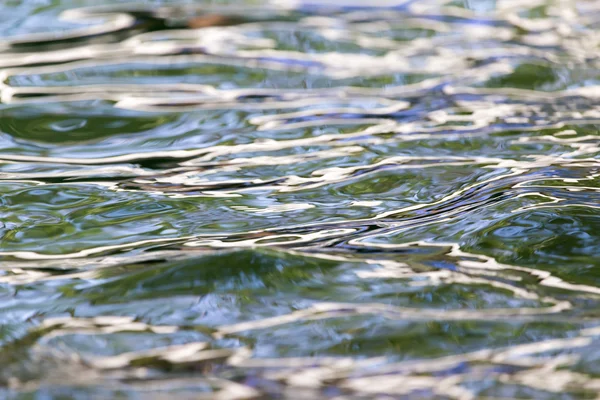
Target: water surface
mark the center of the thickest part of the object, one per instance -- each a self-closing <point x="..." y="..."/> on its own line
<point x="303" y="199"/>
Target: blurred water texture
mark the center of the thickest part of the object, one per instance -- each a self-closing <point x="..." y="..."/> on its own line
<point x="307" y="199"/>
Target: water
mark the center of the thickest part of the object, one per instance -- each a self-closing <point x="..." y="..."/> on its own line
<point x="299" y="200"/>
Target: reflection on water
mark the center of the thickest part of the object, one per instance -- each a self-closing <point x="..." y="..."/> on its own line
<point x="311" y="199"/>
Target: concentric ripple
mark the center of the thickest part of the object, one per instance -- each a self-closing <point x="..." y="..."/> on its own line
<point x="307" y="199"/>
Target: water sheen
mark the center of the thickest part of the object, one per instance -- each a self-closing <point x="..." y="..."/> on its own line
<point x="308" y="199"/>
